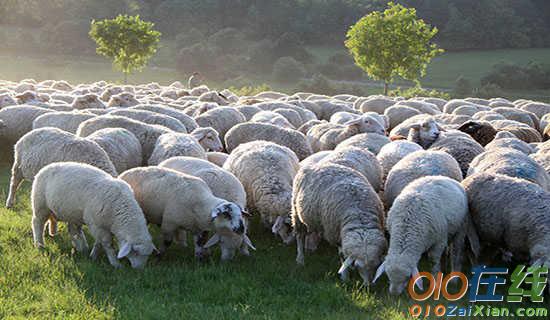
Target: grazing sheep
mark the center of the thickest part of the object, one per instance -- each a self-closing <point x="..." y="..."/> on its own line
<point x="250" y="131"/>
<point x="80" y="194"/>
<point x="66" y="121"/>
<point x="122" y="147"/>
<point x="147" y="134"/>
<point x="88" y="101"/>
<point x="217" y="158"/>
<point x="429" y="215"/>
<point x="194" y="144"/>
<point x="511" y="214"/>
<point x="328" y="136"/>
<point x="390" y="154"/>
<point x="18" y="121"/>
<point x="482" y="132"/>
<point x="41" y="147"/>
<point x="221" y="119"/>
<point x="152" y="118"/>
<point x="417" y="165"/>
<point x="372" y="142"/>
<point x="222" y="182"/>
<point x="463" y="149"/>
<point x="122" y="100"/>
<point x="179" y="202"/>
<point x="273" y="118"/>
<point x="189" y="123"/>
<point x="511" y="163"/>
<point x="341" y="205"/>
<point x="266" y="171"/>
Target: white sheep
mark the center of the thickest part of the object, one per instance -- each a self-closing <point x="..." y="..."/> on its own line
<point x="66" y="121"/>
<point x="189" y="123"/>
<point x="266" y="171"/>
<point x="390" y="154"/>
<point x="429" y="216"/>
<point x="150" y="117"/>
<point x="217" y="158"/>
<point x="273" y="118"/>
<point x="417" y="165"/>
<point x="179" y="202"/>
<point x="221" y="119"/>
<point x="6" y="100"/>
<point x="18" y="121"/>
<point x="122" y="147"/>
<point x="88" y="101"/>
<point x="340" y="204"/>
<point x="122" y="100"/>
<point x="80" y="194"/>
<point x="253" y="131"/>
<point x="41" y="147"/>
<point x="181" y="144"/>
<point x="372" y="142"/>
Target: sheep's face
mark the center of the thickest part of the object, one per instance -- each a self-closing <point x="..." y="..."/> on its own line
<point x="26" y="97"/>
<point x="137" y="253"/>
<point x="283" y="228"/>
<point x="88" y="101"/>
<point x="425" y="133"/>
<point x="209" y="139"/>
<point x="229" y="243"/>
<point x="228" y="216"/>
<point x="368" y="124"/>
<point x="6" y="100"/>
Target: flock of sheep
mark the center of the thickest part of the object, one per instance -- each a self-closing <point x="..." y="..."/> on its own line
<point x="386" y="180"/>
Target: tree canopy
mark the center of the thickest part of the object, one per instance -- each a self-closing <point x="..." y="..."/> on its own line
<point x="128" y="40"/>
<point x="392" y="43"/>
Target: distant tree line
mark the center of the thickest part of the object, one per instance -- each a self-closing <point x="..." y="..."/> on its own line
<point x="463" y="24"/>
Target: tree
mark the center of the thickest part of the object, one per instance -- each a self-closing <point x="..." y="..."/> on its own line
<point x="392" y="43"/>
<point x="128" y="40"/>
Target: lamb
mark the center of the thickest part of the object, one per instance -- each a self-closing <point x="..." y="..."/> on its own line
<point x="122" y="147"/>
<point x="429" y="215"/>
<point x="372" y="142"/>
<point x="249" y="131"/>
<point x="328" y="136"/>
<point x="18" y="121"/>
<point x="417" y="165"/>
<point x="266" y="171"/>
<point x="217" y="158"/>
<point x="340" y="204"/>
<point x="189" y="123"/>
<point x="146" y="134"/>
<point x="194" y="144"/>
<point x="512" y="163"/>
<point x="481" y="131"/>
<point x="152" y="118"/>
<point x="221" y="119"/>
<point x="223" y="183"/>
<point x="391" y="153"/>
<point x="88" y="101"/>
<point x="80" y="194"/>
<point x="66" y="121"/>
<point x="179" y="202"/>
<point x="521" y="226"/>
<point x="273" y="118"/>
<point x="41" y="147"/>
<point x="122" y="100"/>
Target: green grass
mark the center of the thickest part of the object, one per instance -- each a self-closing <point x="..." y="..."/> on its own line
<point x="56" y="283"/>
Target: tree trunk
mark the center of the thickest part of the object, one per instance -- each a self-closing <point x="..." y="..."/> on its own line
<point x="125" y="78"/>
<point x="385" y="88"/>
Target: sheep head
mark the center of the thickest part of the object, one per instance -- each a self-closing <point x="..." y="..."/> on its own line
<point x="208" y="138"/>
<point x="425" y="133"/>
<point x="482" y="132"/>
<point x="367" y="124"/>
<point x="283" y="227"/>
<point x="399" y="270"/>
<point x="137" y="253"/>
<point x="6" y="100"/>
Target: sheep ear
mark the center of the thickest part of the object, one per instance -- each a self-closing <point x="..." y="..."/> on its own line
<point x="418" y="281"/>
<point x="246" y="213"/>
<point x="212" y="241"/>
<point x="199" y="135"/>
<point x="217" y="211"/>
<point x="381" y="269"/>
<point x="247" y="241"/>
<point x="278" y="224"/>
<point x="345" y="265"/>
<point x="124" y="250"/>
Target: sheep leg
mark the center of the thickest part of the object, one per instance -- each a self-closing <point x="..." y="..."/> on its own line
<point x="200" y="240"/>
<point x="457" y="251"/>
<point x="78" y="238"/>
<point x="39" y="218"/>
<point x="95" y="250"/>
<point x="52" y="225"/>
<point x="181" y="237"/>
<point x="435" y="254"/>
<point x="106" y="239"/>
<point x="15" y="181"/>
<point x="300" y="243"/>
